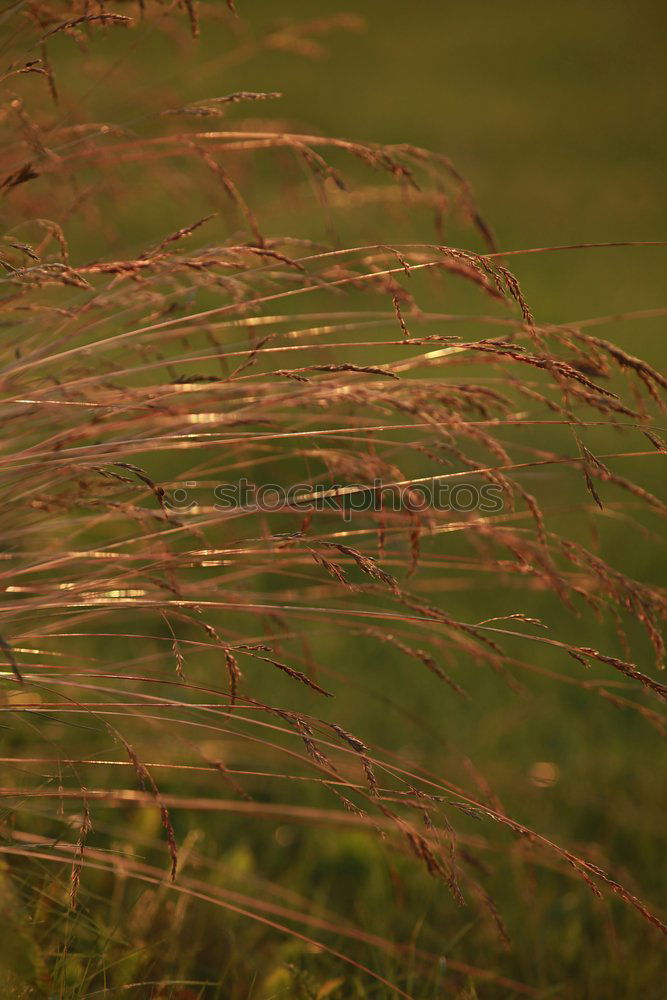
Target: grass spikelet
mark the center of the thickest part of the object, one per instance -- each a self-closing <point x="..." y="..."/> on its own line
<point x="399" y="316"/>
<point x="421" y="655"/>
<point x="207" y="434"/>
<point x="176" y="649"/>
<point x="629" y="669"/>
<point x="234" y="674"/>
<point x="104" y="19"/>
<point x="192" y="7"/>
<point x="306" y="733"/>
<point x="591" y="463"/>
<point x="77" y="865"/>
<point x="658" y="442"/>
<point x="332" y="568"/>
<point x="178" y="235"/>
<point x="492" y="910"/>
<point x="215" y="106"/>
<point x="296" y="675"/>
<point x="158" y="491"/>
<point x="233" y="192"/>
<point x="146" y="781"/>
<point x="366" y="564"/>
<point x="359" y="748"/>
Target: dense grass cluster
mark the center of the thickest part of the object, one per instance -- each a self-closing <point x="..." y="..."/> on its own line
<point x="186" y="681"/>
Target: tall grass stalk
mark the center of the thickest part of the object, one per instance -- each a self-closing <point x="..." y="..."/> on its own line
<point x="171" y="656"/>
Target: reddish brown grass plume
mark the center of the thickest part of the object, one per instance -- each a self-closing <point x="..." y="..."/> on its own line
<point x="143" y="636"/>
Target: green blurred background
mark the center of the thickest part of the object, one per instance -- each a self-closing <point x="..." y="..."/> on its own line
<point x="555" y="114"/>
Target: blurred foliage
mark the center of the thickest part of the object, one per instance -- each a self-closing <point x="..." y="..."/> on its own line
<point x="553" y="113"/>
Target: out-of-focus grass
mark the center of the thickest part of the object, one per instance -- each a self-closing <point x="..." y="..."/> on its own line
<point x="553" y="112"/>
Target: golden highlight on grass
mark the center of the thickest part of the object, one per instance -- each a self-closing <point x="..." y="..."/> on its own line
<point x="144" y="643"/>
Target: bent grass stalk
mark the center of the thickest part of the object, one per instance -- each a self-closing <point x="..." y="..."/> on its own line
<point x="125" y="379"/>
